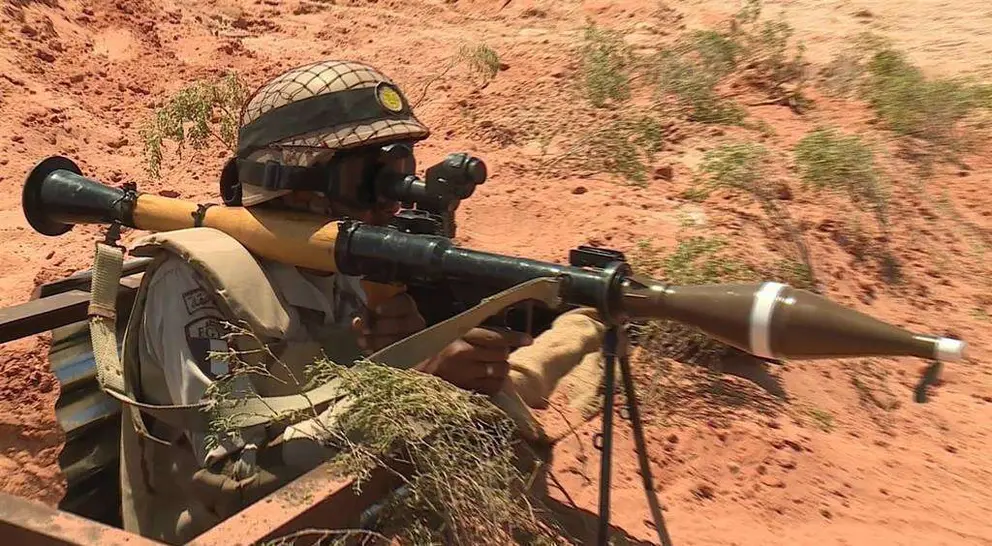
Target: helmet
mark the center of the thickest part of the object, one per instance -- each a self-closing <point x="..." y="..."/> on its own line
<point x="319" y="125"/>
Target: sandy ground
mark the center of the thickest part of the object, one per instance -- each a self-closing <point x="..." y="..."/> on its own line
<point x="77" y="78"/>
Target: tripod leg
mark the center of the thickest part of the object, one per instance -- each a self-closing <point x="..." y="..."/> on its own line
<point x="642" y="453"/>
<point x="606" y="456"/>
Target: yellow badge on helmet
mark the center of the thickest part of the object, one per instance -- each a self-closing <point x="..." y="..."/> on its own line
<point x="390" y="98"/>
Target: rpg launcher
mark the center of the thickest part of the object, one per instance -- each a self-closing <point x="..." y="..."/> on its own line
<point x="768" y="320"/>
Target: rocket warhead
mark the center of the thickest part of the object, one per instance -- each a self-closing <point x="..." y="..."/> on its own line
<point x="774" y="320"/>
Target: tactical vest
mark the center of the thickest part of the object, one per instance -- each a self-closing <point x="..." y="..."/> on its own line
<point x="158" y="467"/>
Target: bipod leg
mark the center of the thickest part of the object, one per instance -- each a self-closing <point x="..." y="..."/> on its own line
<point x="606" y="437"/>
<point x="642" y="452"/>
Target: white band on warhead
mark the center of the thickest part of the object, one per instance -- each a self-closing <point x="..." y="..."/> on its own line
<point x="765" y="300"/>
<point x="949" y="350"/>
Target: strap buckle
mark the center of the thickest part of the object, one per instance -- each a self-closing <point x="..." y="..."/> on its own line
<point x="272" y="175"/>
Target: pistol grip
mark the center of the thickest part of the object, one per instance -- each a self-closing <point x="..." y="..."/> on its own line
<point x="510" y="318"/>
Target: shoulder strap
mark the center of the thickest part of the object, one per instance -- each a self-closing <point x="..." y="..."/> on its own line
<point x="238" y="280"/>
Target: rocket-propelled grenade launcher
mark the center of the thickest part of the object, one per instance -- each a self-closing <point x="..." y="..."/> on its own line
<point x="769" y="320"/>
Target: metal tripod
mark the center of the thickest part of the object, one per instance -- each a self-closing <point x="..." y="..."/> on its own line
<point x="605" y="441"/>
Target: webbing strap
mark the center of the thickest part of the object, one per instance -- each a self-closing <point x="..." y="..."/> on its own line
<point x="252" y="411"/>
<point x="102" y="311"/>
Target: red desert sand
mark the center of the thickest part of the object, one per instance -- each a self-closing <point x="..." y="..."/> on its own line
<point x="842" y="455"/>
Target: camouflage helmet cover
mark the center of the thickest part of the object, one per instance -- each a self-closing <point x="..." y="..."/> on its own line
<point x="308" y="113"/>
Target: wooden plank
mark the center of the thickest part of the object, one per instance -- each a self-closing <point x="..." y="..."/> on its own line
<point x="314" y="501"/>
<point x="29" y="523"/>
<point x="81" y="280"/>
<point x="44" y="314"/>
<point x="37" y="316"/>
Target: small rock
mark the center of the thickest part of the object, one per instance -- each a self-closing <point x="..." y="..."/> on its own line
<point x="783" y="192"/>
<point x="883" y="491"/>
<point x="532" y="32"/>
<point x="76" y="78"/>
<point x="864" y="14"/>
<point x="559" y="73"/>
<point x="673" y="438"/>
<point x="770" y="481"/>
<point x="951" y="449"/>
<point x="640" y="39"/>
<point x="826" y="513"/>
<point x="51" y="139"/>
<point x="45" y="56"/>
<point x="579" y="190"/>
<point x="793" y="444"/>
<point x="774" y="424"/>
<point x="50" y="254"/>
<point x="664" y="172"/>
<point x="17" y="138"/>
<point x="117" y="143"/>
<point x="29" y="31"/>
<point x="504" y="66"/>
<point x="761" y="469"/>
<point x="703" y="491"/>
<point x="172" y="194"/>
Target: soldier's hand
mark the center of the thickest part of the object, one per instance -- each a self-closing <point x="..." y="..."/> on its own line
<point x="391" y="321"/>
<point x="478" y="361"/>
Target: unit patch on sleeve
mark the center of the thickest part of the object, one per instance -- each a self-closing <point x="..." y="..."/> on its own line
<point x="198" y="299"/>
<point x="205" y="336"/>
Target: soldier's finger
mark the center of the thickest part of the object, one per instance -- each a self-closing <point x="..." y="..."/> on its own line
<point x="492" y="370"/>
<point x="490" y="386"/>
<point x="478" y="354"/>
<point x="376" y="343"/>
<point x="397" y="306"/>
<point x="356" y="324"/>
<point x="491" y="337"/>
<point x="401" y="326"/>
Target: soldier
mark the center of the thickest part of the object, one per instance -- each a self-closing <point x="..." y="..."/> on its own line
<point x="312" y="139"/>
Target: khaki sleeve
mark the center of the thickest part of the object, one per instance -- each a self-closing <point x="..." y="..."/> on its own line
<point x="180" y="328"/>
<point x="571" y="347"/>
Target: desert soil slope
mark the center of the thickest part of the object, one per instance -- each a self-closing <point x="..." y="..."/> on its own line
<point x="806" y="452"/>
